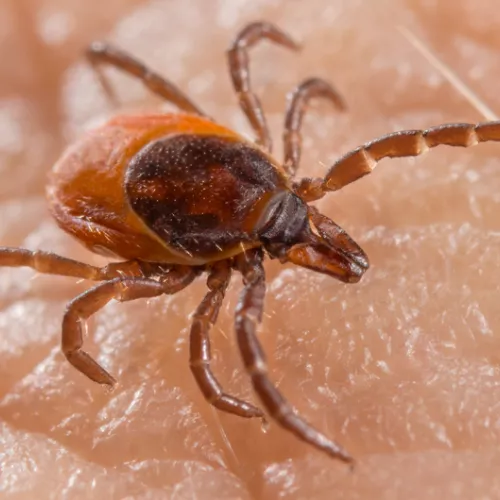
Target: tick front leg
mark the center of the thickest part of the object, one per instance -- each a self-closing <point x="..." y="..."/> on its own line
<point x="91" y="301"/>
<point x="361" y="161"/>
<point x="298" y="101"/>
<point x="248" y="316"/>
<point x="200" y="355"/>
<point x="103" y="53"/>
<point x="240" y="73"/>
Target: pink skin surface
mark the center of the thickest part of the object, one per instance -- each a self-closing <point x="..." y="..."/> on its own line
<point x="401" y="368"/>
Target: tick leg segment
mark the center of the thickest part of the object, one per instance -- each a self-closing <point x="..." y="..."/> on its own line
<point x="240" y="73"/>
<point x="94" y="299"/>
<point x="200" y="355"/>
<point x="51" y="263"/>
<point x="298" y="101"/>
<point x="362" y="161"/>
<point x="104" y="53"/>
<point x="248" y="316"/>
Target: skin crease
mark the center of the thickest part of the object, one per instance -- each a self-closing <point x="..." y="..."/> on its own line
<point x="401" y="368"/>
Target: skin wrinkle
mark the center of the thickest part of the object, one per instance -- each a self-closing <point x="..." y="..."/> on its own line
<point x="402" y="368"/>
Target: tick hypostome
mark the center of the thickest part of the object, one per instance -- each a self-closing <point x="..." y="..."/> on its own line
<point x="177" y="195"/>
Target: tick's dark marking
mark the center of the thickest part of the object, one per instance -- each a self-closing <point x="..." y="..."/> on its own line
<point x="199" y="192"/>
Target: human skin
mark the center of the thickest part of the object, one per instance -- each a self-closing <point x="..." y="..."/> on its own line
<point x="401" y="368"/>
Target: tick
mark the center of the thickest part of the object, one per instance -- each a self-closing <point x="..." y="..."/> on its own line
<point x="176" y="195"/>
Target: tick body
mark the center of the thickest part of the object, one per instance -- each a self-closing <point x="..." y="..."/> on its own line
<point x="174" y="196"/>
<point x="172" y="189"/>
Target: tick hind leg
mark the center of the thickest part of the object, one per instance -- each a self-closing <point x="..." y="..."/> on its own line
<point x="51" y="263"/>
<point x="240" y="74"/>
<point x="94" y="299"/>
<point x="104" y="53"/>
<point x="248" y="315"/>
<point x="298" y="101"/>
<point x="361" y="161"/>
<point x="200" y="355"/>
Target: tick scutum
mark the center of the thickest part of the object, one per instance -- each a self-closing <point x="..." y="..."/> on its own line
<point x="199" y="193"/>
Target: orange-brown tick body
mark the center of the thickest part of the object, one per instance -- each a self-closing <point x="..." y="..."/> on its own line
<point x="152" y="187"/>
<point x="177" y="195"/>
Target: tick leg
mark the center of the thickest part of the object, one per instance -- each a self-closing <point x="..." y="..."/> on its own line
<point x="362" y="161"/>
<point x="298" y="100"/>
<point x="51" y="263"/>
<point x="248" y="316"/>
<point x="200" y="356"/>
<point x="240" y="73"/>
<point x="89" y="302"/>
<point x="104" y="53"/>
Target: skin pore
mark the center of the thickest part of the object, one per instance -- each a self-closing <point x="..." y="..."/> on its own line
<point x="401" y="368"/>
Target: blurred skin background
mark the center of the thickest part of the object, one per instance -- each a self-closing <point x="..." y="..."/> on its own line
<point x="402" y="369"/>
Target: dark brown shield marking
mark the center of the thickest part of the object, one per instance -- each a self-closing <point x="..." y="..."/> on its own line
<point x="196" y="192"/>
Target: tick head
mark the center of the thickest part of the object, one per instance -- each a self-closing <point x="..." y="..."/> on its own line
<point x="295" y="232"/>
